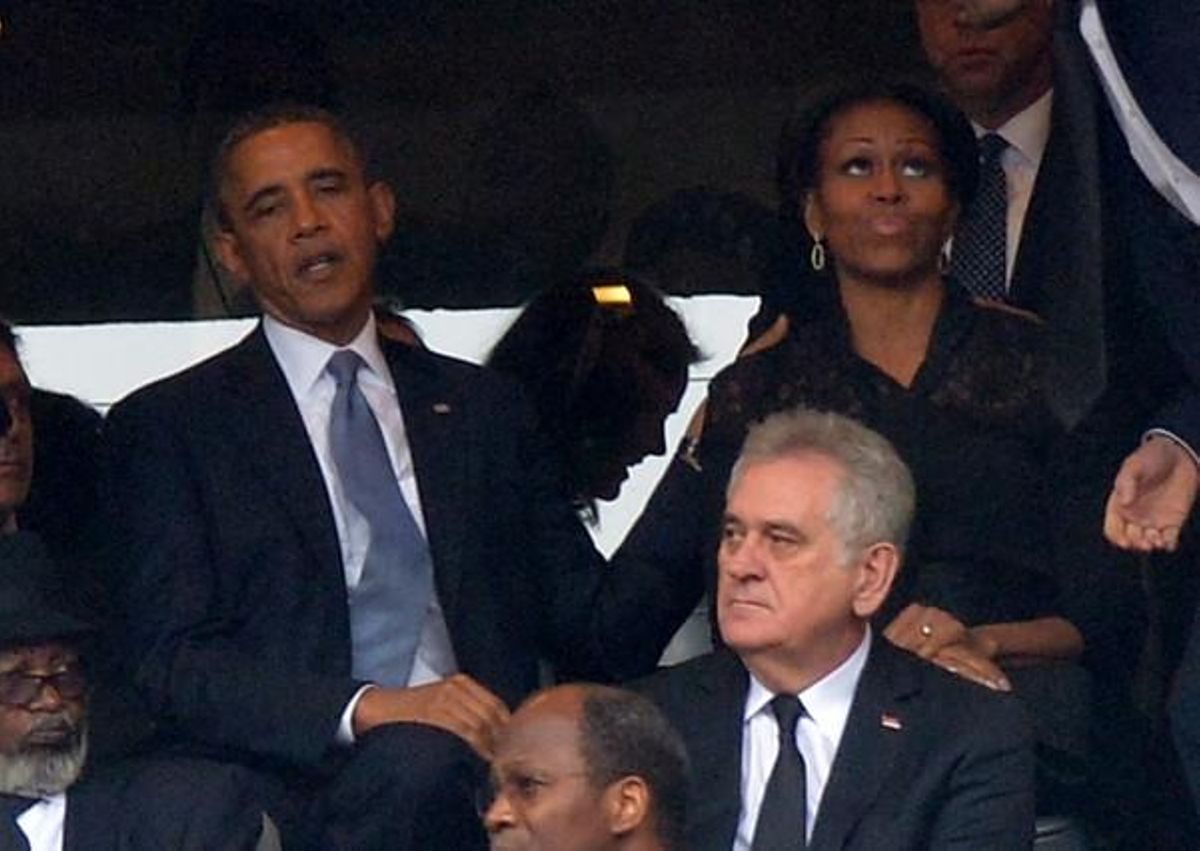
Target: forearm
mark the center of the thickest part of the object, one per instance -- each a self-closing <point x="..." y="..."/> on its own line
<point x="1032" y="641"/>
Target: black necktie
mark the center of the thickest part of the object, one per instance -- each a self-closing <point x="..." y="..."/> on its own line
<point x="11" y="836"/>
<point x="978" y="259"/>
<point x="781" y="821"/>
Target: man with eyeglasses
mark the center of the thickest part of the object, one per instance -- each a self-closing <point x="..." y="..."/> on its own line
<point x="50" y="800"/>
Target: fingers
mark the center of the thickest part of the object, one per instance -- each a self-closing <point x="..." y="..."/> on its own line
<point x="463" y="707"/>
<point x="458" y="705"/>
<point x="966" y="663"/>
<point x="924" y="630"/>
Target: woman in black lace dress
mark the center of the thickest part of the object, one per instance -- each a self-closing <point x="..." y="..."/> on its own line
<point x="1006" y="581"/>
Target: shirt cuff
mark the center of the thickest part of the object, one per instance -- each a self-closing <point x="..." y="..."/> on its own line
<point x="1172" y="436"/>
<point x="345" y="731"/>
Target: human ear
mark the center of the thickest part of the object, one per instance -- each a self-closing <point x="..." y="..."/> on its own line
<point x="627" y="804"/>
<point x="814" y="219"/>
<point x="383" y="209"/>
<point x="229" y="252"/>
<point x="877" y="570"/>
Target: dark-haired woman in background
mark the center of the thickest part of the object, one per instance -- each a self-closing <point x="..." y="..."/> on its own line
<point x="605" y="362"/>
<point x="1005" y="581"/>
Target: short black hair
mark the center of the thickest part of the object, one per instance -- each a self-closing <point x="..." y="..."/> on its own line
<point x="623" y="734"/>
<point x="267" y="118"/>
<point x="578" y="357"/>
<point x="799" y="157"/>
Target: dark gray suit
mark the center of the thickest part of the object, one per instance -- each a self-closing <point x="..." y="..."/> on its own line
<point x="234" y="586"/>
<point x="957" y="773"/>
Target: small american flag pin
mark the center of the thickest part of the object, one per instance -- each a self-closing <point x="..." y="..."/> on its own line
<point x="890" y="721"/>
<point x="441" y="408"/>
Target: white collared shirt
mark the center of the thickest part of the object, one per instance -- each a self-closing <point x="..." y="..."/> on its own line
<point x="1174" y="180"/>
<point x="1027" y="133"/>
<point x="303" y="359"/>
<point x="43" y="823"/>
<point x="819" y="732"/>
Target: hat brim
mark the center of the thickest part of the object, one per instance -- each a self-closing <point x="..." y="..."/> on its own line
<point x="46" y="625"/>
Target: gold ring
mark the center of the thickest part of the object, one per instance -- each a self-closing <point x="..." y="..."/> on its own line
<point x="926" y="630"/>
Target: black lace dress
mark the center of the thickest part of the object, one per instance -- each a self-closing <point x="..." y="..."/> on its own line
<point x="1009" y="507"/>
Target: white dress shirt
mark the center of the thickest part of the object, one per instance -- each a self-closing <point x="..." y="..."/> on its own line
<point x="1026" y="133"/>
<point x="818" y="733"/>
<point x="303" y="359"/>
<point x="1165" y="171"/>
<point x="43" y="823"/>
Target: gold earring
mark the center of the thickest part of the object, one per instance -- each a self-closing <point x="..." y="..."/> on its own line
<point x="816" y="257"/>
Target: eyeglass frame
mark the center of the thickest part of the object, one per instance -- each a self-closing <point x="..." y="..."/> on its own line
<point x="71" y="683"/>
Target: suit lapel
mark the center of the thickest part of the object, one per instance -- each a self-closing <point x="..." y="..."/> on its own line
<point x="1059" y="270"/>
<point x="720" y="686"/>
<point x="873" y="736"/>
<point x="436" y="438"/>
<point x="264" y="417"/>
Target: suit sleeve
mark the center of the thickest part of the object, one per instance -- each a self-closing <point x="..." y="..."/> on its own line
<point x="184" y="623"/>
<point x="990" y="797"/>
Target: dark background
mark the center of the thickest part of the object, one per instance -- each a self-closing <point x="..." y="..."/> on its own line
<point x="523" y="138"/>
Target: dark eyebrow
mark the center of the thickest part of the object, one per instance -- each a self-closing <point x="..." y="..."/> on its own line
<point x="326" y="173"/>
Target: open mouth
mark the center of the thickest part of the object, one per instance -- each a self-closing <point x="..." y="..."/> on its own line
<point x="318" y="265"/>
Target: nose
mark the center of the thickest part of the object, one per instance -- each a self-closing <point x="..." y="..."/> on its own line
<point x="48" y="698"/>
<point x="740" y="563"/>
<point x="307" y="215"/>
<point x="499" y="814"/>
<point x="887" y="186"/>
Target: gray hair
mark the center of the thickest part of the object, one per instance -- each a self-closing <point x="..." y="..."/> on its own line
<point x="876" y="496"/>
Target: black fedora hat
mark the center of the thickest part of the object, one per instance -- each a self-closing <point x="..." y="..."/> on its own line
<point x="28" y="584"/>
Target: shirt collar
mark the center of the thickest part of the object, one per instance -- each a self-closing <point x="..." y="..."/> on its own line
<point x="303" y="357"/>
<point x="827" y="701"/>
<point x="1028" y="131"/>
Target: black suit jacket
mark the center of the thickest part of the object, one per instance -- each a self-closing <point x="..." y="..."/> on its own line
<point x="957" y="773"/>
<point x="162" y="805"/>
<point x="233" y="581"/>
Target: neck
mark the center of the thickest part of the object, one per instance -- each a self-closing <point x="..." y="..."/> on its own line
<point x="891" y="326"/>
<point x="784" y="672"/>
<point x="992" y="115"/>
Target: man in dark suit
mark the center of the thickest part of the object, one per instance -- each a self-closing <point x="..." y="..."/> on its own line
<point x="808" y="731"/>
<point x="48" y="799"/>
<point x="349" y="554"/>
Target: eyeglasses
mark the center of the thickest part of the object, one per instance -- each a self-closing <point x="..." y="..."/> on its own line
<point x="18" y="688"/>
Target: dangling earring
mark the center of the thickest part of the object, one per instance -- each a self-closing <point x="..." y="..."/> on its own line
<point x="816" y="257"/>
<point x="944" y="258"/>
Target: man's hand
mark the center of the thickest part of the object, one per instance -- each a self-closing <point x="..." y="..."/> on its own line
<point x="1151" y="497"/>
<point x="458" y="705"/>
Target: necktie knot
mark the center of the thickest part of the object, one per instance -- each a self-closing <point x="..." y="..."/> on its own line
<point x="343" y="366"/>
<point x="991" y="147"/>
<point x="788" y="710"/>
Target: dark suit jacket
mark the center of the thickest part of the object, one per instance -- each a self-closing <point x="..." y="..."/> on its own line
<point x="235" y="593"/>
<point x="958" y="773"/>
<point x="156" y="805"/>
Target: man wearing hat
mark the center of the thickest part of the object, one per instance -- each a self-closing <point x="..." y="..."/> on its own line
<point x="49" y="801"/>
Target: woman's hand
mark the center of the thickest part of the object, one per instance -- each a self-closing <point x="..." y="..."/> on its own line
<point x="925" y="630"/>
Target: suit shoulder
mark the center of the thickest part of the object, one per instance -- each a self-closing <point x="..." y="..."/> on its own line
<point x="961" y="701"/>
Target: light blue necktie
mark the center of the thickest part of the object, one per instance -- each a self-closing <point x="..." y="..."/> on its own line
<point x="388" y="607"/>
<point x="979" y="255"/>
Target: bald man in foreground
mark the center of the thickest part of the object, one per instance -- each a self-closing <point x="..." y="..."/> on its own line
<point x="587" y="767"/>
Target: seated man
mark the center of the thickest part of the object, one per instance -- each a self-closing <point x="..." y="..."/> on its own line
<point x="588" y="767"/>
<point x="808" y="727"/>
<point x="344" y="558"/>
<point x="47" y="800"/>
